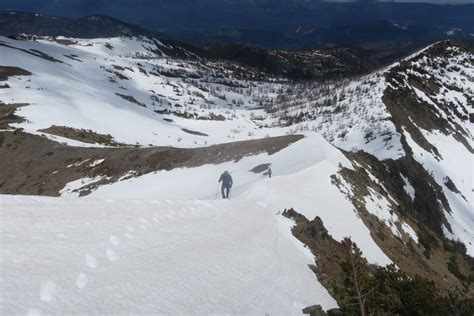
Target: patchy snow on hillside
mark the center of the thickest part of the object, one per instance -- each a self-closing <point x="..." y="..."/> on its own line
<point x="349" y="114"/>
<point x="455" y="164"/>
<point x="72" y="188"/>
<point x="376" y="204"/>
<point x="105" y="85"/>
<point x="409" y="189"/>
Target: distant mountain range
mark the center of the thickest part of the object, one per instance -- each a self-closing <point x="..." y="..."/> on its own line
<point x="308" y="23"/>
<point x="16" y="23"/>
<point x="300" y="64"/>
<point x="277" y="23"/>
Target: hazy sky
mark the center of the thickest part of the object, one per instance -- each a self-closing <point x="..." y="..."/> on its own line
<point x="437" y="1"/>
<point x="36" y="3"/>
<point x="429" y="1"/>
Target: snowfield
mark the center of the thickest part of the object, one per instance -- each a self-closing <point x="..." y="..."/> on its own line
<point x="89" y="256"/>
<point x="90" y="84"/>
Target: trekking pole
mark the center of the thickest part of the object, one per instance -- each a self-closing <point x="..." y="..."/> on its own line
<point x="217" y="191"/>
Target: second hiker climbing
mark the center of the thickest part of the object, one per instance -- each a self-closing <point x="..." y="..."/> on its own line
<point x="227" y="182"/>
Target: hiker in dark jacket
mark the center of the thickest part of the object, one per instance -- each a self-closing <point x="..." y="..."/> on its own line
<point x="227" y="182"/>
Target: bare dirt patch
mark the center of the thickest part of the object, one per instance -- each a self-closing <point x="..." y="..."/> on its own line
<point x="65" y="41"/>
<point x="7" y="71"/>
<point x="132" y="99"/>
<point x="82" y="135"/>
<point x="192" y="115"/>
<point x="328" y="252"/>
<point x="33" y="52"/>
<point x="260" y="168"/>
<point x="8" y="116"/>
<point x="73" y="57"/>
<point x="193" y="132"/>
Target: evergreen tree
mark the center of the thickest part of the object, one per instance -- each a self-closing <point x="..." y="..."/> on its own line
<point x="357" y="286"/>
<point x="370" y="290"/>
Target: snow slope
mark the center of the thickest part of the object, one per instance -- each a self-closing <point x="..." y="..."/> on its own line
<point x="299" y="181"/>
<point x="85" y="89"/>
<point x="88" y="256"/>
<point x="457" y="165"/>
<point x="449" y="68"/>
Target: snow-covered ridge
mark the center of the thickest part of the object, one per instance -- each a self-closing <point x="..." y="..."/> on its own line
<point x="431" y="98"/>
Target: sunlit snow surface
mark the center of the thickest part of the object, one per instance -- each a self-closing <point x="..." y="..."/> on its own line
<point x="88" y="256"/>
<point x="83" y="93"/>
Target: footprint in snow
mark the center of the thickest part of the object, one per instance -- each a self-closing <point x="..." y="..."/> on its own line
<point x="114" y="240"/>
<point x="47" y="290"/>
<point x="263" y="204"/>
<point x="111" y="255"/>
<point x="81" y="280"/>
<point x="91" y="262"/>
<point x="33" y="312"/>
